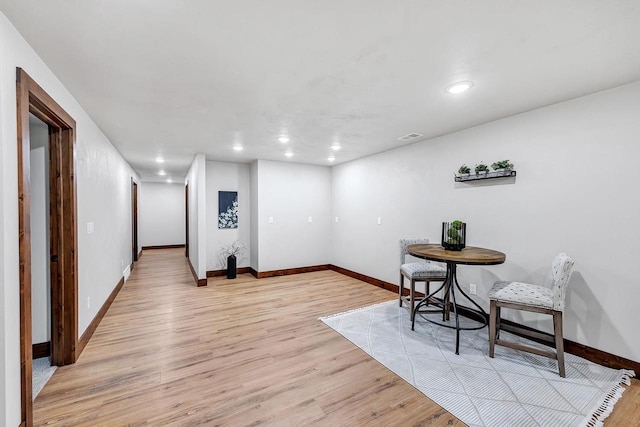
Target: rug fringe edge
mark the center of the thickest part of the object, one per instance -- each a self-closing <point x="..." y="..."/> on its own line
<point x="597" y="417"/>
<point x="323" y="318"/>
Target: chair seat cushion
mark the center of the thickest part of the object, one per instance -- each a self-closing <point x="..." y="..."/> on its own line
<point x="423" y="270"/>
<point x="522" y="293"/>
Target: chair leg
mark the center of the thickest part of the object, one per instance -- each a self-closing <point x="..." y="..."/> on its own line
<point x="401" y="288"/>
<point x="426" y="290"/>
<point x="557" y="329"/>
<point x="412" y="297"/>
<point x="493" y="311"/>
<point x="498" y="317"/>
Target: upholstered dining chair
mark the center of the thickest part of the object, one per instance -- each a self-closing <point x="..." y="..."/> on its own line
<point x="420" y="271"/>
<point x="535" y="298"/>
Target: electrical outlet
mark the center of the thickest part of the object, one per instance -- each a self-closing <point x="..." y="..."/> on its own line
<point x="88" y="303"/>
<point x="310" y="219"/>
<point x="472" y="289"/>
<point x="379" y="220"/>
<point x="270" y="220"/>
<point x="336" y="219"/>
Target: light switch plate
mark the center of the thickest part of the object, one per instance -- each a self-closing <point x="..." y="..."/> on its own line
<point x="270" y="220"/>
<point x="90" y="227"/>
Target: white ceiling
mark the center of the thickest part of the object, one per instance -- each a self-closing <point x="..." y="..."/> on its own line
<point x="175" y="78"/>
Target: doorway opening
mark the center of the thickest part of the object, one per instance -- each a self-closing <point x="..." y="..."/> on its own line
<point x="62" y="254"/>
<point x="134" y="223"/>
<point x="40" y="243"/>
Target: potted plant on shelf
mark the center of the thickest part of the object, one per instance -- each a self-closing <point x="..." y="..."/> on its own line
<point x="481" y="169"/>
<point x="228" y="255"/>
<point x="464" y="170"/>
<point x="502" y="165"/>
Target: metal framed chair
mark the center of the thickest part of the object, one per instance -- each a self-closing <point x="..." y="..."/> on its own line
<point x="534" y="298"/>
<point x="420" y="271"/>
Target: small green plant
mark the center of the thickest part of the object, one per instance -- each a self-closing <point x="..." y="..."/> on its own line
<point x="464" y="169"/>
<point x="453" y="233"/>
<point x="481" y="168"/>
<point x="502" y="164"/>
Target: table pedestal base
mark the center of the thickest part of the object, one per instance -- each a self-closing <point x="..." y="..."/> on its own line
<point x="448" y="304"/>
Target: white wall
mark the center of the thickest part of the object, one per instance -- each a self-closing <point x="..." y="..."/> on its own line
<point x="161" y="214"/>
<point x="196" y="178"/>
<point x="223" y="176"/>
<point x="291" y="193"/>
<point x="103" y="197"/>
<point x="40" y="271"/>
<point x="576" y="191"/>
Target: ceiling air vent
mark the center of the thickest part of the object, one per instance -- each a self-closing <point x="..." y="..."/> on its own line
<point x="409" y="137"/>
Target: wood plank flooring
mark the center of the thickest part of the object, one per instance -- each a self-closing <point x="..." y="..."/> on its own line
<point x="238" y="352"/>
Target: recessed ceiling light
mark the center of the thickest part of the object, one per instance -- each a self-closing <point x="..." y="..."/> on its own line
<point x="169" y="181"/>
<point x="459" y="87"/>
<point x="336" y="147"/>
<point x="331" y="158"/>
<point x="288" y="154"/>
<point x="284" y="139"/>
<point x="162" y="173"/>
<point x="238" y="147"/>
<point x="159" y="160"/>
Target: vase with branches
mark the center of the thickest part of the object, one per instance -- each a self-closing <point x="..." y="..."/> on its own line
<point x="228" y="257"/>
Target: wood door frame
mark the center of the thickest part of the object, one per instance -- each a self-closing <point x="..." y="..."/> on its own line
<point x="134" y="222"/>
<point x="186" y="220"/>
<point x="31" y="98"/>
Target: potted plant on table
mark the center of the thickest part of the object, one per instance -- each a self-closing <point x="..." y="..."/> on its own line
<point x="454" y="235"/>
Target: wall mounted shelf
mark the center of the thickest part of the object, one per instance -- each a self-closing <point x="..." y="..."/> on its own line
<point x="490" y="175"/>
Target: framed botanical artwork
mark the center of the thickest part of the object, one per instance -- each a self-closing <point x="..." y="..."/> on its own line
<point x="227" y="209"/>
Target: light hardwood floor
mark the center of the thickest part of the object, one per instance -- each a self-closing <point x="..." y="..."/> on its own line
<point x="238" y="352"/>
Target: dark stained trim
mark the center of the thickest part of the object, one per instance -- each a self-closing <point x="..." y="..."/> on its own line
<point x="253" y="272"/>
<point x="135" y="255"/>
<point x="144" y="248"/>
<point x="368" y="279"/>
<point x="288" y="271"/>
<point x="88" y="333"/>
<point x="218" y="273"/>
<point x="186" y="220"/>
<point x="199" y="282"/>
<point x="24" y="230"/>
<point x="41" y="349"/>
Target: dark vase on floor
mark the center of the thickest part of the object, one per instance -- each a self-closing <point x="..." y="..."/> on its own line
<point x="231" y="267"/>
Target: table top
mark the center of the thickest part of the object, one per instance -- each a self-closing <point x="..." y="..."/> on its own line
<point x="470" y="255"/>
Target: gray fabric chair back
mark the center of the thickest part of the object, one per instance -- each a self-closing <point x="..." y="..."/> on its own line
<point x="562" y="267"/>
<point x="405" y="243"/>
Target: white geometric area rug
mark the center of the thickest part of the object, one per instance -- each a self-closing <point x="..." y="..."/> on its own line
<point x="513" y="389"/>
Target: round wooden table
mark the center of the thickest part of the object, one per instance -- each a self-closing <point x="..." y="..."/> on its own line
<point x="468" y="256"/>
